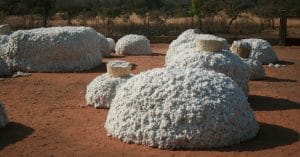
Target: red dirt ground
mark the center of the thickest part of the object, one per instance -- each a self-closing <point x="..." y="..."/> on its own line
<point x="49" y="117"/>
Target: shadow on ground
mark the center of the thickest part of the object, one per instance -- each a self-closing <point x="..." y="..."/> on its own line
<point x="273" y="79"/>
<point x="265" y="103"/>
<point x="269" y="137"/>
<point x="284" y="63"/>
<point x="12" y="133"/>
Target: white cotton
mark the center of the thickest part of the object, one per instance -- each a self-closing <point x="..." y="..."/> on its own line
<point x="256" y="69"/>
<point x="189" y="41"/>
<point x="133" y="44"/>
<point x="3" y="116"/>
<point x="102" y="89"/>
<point x="223" y="62"/>
<point x="181" y="109"/>
<point x="261" y="50"/>
<point x="112" y="44"/>
<point x="55" y="49"/>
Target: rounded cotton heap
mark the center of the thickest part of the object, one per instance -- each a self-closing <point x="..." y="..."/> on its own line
<point x="133" y="45"/>
<point x="241" y="49"/>
<point x="112" y="44"/>
<point x="3" y="116"/>
<point x="102" y="90"/>
<point x="56" y="49"/>
<point x="261" y="50"/>
<point x="256" y="69"/>
<point x="223" y="62"/>
<point x="188" y="32"/>
<point x="181" y="109"/>
<point x="3" y="46"/>
<point x="118" y="68"/>
<point x="189" y="42"/>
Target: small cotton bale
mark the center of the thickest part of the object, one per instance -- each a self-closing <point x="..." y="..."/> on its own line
<point x="210" y="45"/>
<point x="241" y="49"/>
<point x="102" y="90"/>
<point x="5" y="29"/>
<point x="133" y="44"/>
<point x="118" y="68"/>
<point x="3" y="116"/>
<point x="181" y="109"/>
<point x="261" y="50"/>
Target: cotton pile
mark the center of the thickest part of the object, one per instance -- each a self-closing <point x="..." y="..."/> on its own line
<point x="223" y="62"/>
<point x="3" y="116"/>
<point x="133" y="44"/>
<point x="189" y="42"/>
<point x="102" y="90"/>
<point x="56" y="49"/>
<point x="112" y="44"/>
<point x="261" y="50"/>
<point x="171" y="108"/>
<point x="256" y="69"/>
<point x="4" y="70"/>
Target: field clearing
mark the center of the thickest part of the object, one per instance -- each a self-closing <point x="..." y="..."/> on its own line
<point x="49" y="117"/>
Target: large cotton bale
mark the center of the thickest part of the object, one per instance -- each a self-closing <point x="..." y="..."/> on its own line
<point x="181" y="109"/>
<point x="5" y="29"/>
<point x="223" y="62"/>
<point x="256" y="69"/>
<point x="133" y="45"/>
<point x="102" y="90"/>
<point x="261" y="50"/>
<point x="3" y="116"/>
<point x="112" y="44"/>
<point x="190" y="42"/>
<point x="56" y="49"/>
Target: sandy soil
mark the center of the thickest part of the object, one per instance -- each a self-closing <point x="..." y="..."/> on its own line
<point x="49" y="117"/>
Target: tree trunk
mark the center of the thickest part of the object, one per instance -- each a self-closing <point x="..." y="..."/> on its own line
<point x="232" y="19"/>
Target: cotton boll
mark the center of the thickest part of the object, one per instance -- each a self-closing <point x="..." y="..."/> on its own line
<point x="56" y="49"/>
<point x="181" y="109"/>
<point x="133" y="45"/>
<point x="3" y="116"/>
<point x="223" y="62"/>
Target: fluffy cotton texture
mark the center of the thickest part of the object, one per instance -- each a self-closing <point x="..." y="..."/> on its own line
<point x="4" y="70"/>
<point x="3" y="116"/>
<point x="112" y="44"/>
<point x="56" y="49"/>
<point x="261" y="50"/>
<point x="188" y="32"/>
<point x="3" y="46"/>
<point x="180" y="45"/>
<point x="102" y="90"/>
<point x="133" y="45"/>
<point x="181" y="109"/>
<point x="256" y="69"/>
<point x="223" y="62"/>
